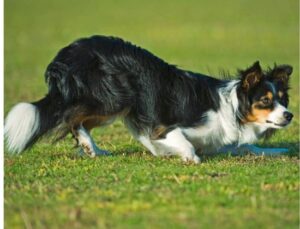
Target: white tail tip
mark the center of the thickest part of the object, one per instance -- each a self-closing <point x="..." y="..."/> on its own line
<point x="20" y="125"/>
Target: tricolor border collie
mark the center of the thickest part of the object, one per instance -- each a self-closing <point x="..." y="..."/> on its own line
<point x="169" y="110"/>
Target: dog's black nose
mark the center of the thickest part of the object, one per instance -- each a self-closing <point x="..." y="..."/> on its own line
<point x="288" y="115"/>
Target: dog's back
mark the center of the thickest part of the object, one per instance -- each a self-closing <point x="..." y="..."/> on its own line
<point x="106" y="76"/>
<point x="91" y="81"/>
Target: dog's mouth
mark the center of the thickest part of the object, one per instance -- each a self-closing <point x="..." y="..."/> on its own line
<point x="278" y="124"/>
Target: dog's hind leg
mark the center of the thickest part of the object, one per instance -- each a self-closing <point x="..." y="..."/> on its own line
<point x="86" y="142"/>
<point x="80" y="120"/>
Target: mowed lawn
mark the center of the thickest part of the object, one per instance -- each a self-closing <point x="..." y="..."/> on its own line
<point x="51" y="186"/>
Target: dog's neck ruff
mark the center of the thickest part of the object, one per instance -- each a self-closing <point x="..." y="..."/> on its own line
<point x="222" y="127"/>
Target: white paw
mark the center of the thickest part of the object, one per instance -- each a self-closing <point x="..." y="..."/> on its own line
<point x="191" y="158"/>
<point x="196" y="159"/>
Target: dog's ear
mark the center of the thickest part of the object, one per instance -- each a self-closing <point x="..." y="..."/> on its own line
<point x="281" y="74"/>
<point x="251" y="76"/>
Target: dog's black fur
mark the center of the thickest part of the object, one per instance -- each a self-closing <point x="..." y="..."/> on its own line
<point x="105" y="76"/>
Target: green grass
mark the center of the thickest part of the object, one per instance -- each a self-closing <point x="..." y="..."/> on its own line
<point x="50" y="186"/>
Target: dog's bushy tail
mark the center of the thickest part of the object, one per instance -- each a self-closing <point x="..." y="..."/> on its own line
<point x="27" y="122"/>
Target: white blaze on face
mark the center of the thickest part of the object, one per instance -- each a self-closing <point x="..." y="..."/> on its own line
<point x="276" y="118"/>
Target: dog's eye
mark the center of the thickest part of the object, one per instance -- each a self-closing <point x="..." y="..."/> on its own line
<point x="266" y="101"/>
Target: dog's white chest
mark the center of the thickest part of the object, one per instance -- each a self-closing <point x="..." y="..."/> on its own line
<point x="218" y="132"/>
<point x="206" y="137"/>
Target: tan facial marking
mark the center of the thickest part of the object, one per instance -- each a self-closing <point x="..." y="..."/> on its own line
<point x="269" y="95"/>
<point x="280" y="94"/>
<point x="257" y="115"/>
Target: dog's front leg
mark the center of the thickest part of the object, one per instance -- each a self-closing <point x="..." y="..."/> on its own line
<point x="175" y="143"/>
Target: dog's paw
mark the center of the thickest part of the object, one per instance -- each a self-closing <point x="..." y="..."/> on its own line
<point x="192" y="158"/>
<point x="196" y="159"/>
<point x="94" y="153"/>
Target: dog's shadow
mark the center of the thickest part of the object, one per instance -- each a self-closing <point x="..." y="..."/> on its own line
<point x="292" y="151"/>
<point x="289" y="149"/>
<point x="139" y="150"/>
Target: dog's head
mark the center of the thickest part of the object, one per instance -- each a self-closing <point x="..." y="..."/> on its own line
<point x="263" y="96"/>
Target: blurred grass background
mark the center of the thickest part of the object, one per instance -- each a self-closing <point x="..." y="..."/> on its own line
<point x="195" y="35"/>
<point x="49" y="187"/>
